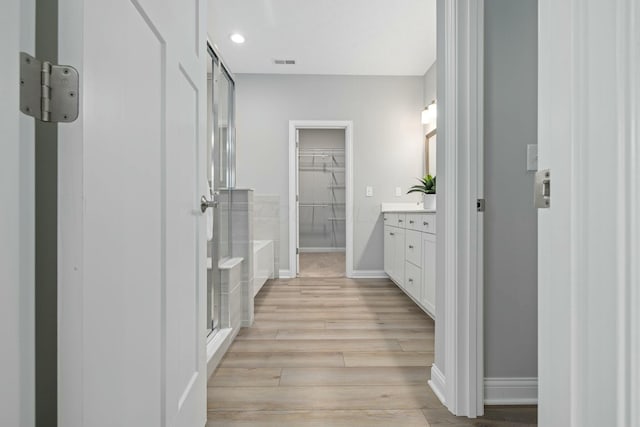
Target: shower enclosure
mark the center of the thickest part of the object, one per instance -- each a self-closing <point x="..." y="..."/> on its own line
<point x="220" y="176"/>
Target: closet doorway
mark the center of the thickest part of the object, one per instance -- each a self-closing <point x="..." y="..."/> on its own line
<point x="321" y="197"/>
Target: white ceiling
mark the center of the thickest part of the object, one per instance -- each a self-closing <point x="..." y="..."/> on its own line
<point x="358" y="37"/>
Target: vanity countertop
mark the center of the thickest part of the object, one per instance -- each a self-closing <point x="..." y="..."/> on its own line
<point x="405" y="208"/>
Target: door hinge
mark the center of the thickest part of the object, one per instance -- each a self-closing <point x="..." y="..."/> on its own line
<point x="48" y="92"/>
<point x="542" y="189"/>
<point x="297" y="251"/>
<point x="480" y="205"/>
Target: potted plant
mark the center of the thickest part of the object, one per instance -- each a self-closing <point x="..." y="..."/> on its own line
<point x="427" y="187"/>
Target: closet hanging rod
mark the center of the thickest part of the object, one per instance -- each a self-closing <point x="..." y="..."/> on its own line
<point x="313" y="205"/>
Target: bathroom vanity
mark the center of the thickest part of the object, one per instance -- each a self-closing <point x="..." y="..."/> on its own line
<point x="410" y="253"/>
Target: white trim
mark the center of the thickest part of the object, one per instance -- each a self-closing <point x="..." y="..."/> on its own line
<point x="217" y="346"/>
<point x="369" y="274"/>
<point x="438" y="383"/>
<point x="511" y="391"/>
<point x="285" y="274"/>
<point x="463" y="170"/>
<point x="347" y="125"/>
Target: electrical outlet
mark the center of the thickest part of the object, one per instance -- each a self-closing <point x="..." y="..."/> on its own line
<point x="398" y="192"/>
<point x="369" y="191"/>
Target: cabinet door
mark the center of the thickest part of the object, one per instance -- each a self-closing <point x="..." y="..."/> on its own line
<point x="413" y="247"/>
<point x="399" y="258"/>
<point x="428" y="296"/>
<point x="389" y="249"/>
<point x="413" y="279"/>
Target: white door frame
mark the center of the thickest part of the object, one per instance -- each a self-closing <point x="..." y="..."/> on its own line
<point x="294" y="125"/>
<point x="17" y="223"/>
<point x="460" y="131"/>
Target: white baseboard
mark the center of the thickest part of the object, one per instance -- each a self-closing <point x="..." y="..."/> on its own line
<point x="511" y="391"/>
<point x="369" y="274"/>
<point x="437" y="383"/>
<point x="285" y="274"/>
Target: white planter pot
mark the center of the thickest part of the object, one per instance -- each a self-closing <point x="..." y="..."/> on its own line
<point x="430" y="202"/>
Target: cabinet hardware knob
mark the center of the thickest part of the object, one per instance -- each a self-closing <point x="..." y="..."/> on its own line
<point x="400" y="220"/>
<point x="410" y="222"/>
<point x="392" y="234"/>
<point x="425" y="223"/>
<point x="410" y="246"/>
<point x="410" y="280"/>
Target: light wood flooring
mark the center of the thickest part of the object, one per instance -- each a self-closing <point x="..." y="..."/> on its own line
<point x="322" y="264"/>
<point x="336" y="352"/>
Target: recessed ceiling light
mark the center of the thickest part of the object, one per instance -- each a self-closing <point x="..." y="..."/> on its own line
<point x="237" y="38"/>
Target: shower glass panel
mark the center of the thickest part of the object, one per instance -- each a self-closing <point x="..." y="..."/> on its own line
<point x="220" y="170"/>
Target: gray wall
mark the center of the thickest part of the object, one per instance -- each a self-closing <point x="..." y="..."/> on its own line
<point x="430" y="84"/>
<point x="510" y="233"/>
<point x="388" y="142"/>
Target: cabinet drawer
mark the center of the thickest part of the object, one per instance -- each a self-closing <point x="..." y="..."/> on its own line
<point x="413" y="247"/>
<point x="401" y="220"/>
<point x="412" y="280"/>
<point x="414" y="221"/>
<point x="428" y="223"/>
<point x="390" y="218"/>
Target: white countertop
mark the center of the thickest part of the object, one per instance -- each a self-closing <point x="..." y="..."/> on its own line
<point x="405" y="207"/>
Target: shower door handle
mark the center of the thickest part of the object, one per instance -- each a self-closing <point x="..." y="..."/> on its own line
<point x="206" y="203"/>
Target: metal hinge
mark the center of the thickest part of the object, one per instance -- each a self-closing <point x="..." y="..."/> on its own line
<point x="297" y="251"/>
<point x="480" y="205"/>
<point x="48" y="92"/>
<point x="542" y="189"/>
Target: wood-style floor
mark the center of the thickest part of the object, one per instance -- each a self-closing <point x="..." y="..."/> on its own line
<point x="336" y="352"/>
<point x="322" y="264"/>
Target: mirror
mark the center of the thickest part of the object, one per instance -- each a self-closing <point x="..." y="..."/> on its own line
<point x="430" y="153"/>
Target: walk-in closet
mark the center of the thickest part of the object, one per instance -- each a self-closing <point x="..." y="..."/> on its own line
<point x="321" y="180"/>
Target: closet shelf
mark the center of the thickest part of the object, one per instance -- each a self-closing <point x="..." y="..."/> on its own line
<point x="321" y="204"/>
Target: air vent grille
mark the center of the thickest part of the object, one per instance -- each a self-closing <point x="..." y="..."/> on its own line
<point x="284" y="61"/>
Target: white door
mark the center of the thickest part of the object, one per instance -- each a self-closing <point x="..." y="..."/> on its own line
<point x="17" y="386"/>
<point x="589" y="251"/>
<point x="132" y="241"/>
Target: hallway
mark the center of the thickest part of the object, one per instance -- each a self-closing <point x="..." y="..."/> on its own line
<point x="335" y="352"/>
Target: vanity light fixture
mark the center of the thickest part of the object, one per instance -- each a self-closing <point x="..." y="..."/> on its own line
<point x="429" y="113"/>
<point x="237" y="38"/>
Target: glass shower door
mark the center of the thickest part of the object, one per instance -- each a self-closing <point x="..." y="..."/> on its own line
<point x="220" y="173"/>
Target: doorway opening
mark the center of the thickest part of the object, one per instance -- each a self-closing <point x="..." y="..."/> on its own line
<point x="321" y="202"/>
<point x="320" y="192"/>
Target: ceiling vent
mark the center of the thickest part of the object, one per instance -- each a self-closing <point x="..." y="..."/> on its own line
<point x="284" y="61"/>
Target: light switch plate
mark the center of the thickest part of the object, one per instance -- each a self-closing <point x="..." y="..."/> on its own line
<point x="398" y="192"/>
<point x="369" y="191"/>
<point x="532" y="157"/>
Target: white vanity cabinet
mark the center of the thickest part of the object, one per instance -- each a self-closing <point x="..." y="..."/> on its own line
<point x="409" y="255"/>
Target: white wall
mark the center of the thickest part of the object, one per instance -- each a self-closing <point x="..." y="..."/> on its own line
<point x="388" y="142"/>
<point x="510" y="233"/>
